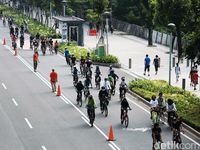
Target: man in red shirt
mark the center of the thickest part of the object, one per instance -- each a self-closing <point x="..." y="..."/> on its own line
<point x="195" y="77"/>
<point x="53" y="80"/>
<point x="35" y="61"/>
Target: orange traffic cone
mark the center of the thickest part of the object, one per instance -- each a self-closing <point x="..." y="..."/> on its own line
<point x="111" y="135"/>
<point x="58" y="92"/>
<point x="4" y="41"/>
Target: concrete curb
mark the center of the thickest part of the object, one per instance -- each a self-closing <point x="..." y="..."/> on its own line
<point x="185" y="126"/>
<point x="107" y="64"/>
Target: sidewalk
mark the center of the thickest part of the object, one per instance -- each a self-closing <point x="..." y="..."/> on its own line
<point x="127" y="46"/>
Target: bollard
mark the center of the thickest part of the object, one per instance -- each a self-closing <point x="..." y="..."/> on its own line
<point x="173" y="62"/>
<point x="183" y="84"/>
<point x="130" y="63"/>
<point x="188" y="62"/>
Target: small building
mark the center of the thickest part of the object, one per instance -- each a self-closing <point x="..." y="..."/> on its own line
<point x="71" y="28"/>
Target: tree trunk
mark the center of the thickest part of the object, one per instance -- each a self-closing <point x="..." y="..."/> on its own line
<point x="179" y="42"/>
<point x="150" y="39"/>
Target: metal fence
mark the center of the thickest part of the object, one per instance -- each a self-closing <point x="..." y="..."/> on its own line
<point x="142" y="32"/>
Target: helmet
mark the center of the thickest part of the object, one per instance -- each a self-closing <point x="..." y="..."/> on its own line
<point x="123" y="78"/>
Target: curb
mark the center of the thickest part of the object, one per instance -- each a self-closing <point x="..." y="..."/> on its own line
<point x="185" y="126"/>
<point x="107" y="64"/>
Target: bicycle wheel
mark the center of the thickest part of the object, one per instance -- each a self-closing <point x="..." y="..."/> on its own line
<point x="105" y="111"/>
<point x="126" y="121"/>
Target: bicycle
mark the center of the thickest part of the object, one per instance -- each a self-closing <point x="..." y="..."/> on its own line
<point x="125" y="118"/>
<point x="104" y="107"/>
<point x="177" y="137"/>
<point x="79" y="98"/>
<point x="43" y="50"/>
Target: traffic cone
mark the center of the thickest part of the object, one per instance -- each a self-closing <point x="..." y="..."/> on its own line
<point x="58" y="92"/>
<point x="111" y="135"/>
<point x="4" y="41"/>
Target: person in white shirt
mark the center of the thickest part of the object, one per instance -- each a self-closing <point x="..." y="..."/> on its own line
<point x="106" y="84"/>
<point x="177" y="71"/>
<point x="153" y="104"/>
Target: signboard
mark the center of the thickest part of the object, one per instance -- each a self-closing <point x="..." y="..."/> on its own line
<point x="64" y="31"/>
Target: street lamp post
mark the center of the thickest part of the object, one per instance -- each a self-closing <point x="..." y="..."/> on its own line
<point x="171" y="25"/>
<point x="64" y="5"/>
<point x="50" y="10"/>
<point x="107" y="28"/>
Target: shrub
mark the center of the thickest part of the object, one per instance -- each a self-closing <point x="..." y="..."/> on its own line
<point x="188" y="105"/>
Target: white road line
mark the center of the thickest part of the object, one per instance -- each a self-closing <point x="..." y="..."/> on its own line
<point x="111" y="146"/>
<point x="29" y="124"/>
<point x="44" y="148"/>
<point x="14" y="101"/>
<point x="86" y="120"/>
<point x="4" y="86"/>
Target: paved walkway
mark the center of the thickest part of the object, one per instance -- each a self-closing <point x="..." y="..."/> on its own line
<point x="127" y="46"/>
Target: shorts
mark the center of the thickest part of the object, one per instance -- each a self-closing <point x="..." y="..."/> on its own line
<point x="147" y="67"/>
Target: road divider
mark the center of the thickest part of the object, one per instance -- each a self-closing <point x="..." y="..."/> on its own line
<point x="29" y="124"/>
<point x="4" y="86"/>
<point x="14" y="101"/>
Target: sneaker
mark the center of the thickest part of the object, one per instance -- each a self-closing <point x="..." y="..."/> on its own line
<point x="144" y="74"/>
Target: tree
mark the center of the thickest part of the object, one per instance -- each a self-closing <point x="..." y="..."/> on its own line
<point x="173" y="11"/>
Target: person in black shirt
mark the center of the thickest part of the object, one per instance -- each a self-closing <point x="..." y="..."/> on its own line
<point x="115" y="76"/>
<point x="124" y="106"/>
<point x="79" y="88"/>
<point x="16" y="31"/>
<point x="103" y="96"/>
<point x="156" y="63"/>
<point x="156" y="134"/>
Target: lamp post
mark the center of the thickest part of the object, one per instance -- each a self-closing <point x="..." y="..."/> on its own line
<point x="171" y="26"/>
<point x="50" y="11"/>
<point x="107" y="27"/>
<point x="64" y="5"/>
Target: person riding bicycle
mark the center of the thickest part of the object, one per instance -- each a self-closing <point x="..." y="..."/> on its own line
<point x="156" y="134"/>
<point x="103" y="97"/>
<point x="171" y="109"/>
<point x="111" y="80"/>
<point x="21" y="41"/>
<point x="50" y="45"/>
<point x="73" y="60"/>
<point x="35" y="44"/>
<point x="153" y="104"/>
<point x="115" y="77"/>
<point x="161" y="104"/>
<point x="91" y="106"/>
<point x="79" y="88"/>
<point x="122" y="86"/>
<point x="31" y="38"/>
<point x="177" y="127"/>
<point x="88" y="63"/>
<point x="75" y="73"/>
<point x="16" y="31"/>
<point x="110" y="69"/>
<point x="43" y="45"/>
<point x="56" y="45"/>
<point x="82" y="65"/>
<point x="97" y="74"/>
<point x="53" y="79"/>
<point x="106" y="84"/>
<point x="67" y="56"/>
<point x="88" y="82"/>
<point x="124" y="106"/>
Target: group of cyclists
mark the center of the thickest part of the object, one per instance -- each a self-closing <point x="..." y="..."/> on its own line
<point x="158" y="108"/>
<point x="106" y="87"/>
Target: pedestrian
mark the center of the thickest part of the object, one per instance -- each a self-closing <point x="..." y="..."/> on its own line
<point x="53" y="80"/>
<point x="35" y="61"/>
<point x="156" y="63"/>
<point x="56" y="45"/>
<point x="147" y="61"/>
<point x="177" y="71"/>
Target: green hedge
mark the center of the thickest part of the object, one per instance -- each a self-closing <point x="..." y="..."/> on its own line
<point x="34" y="26"/>
<point x="80" y="51"/>
<point x="188" y="105"/>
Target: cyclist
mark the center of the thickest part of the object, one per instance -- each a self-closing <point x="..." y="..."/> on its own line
<point x="115" y="77"/>
<point x="161" y="104"/>
<point x="91" y="108"/>
<point x="53" y="80"/>
<point x="21" y="41"/>
<point x="79" y="88"/>
<point x="122" y="86"/>
<point x="75" y="73"/>
<point x="110" y="69"/>
<point x="103" y="95"/>
<point x="73" y="60"/>
<point x="88" y="82"/>
<point x="31" y="41"/>
<point x="97" y="76"/>
<point x="82" y="65"/>
<point x="35" y="44"/>
<point x="171" y="110"/>
<point x="111" y="80"/>
<point x="106" y="84"/>
<point x="35" y="61"/>
<point x="67" y="56"/>
<point x="124" y="106"/>
<point x="177" y="128"/>
<point x="43" y="46"/>
<point x="153" y="104"/>
<point x="56" y="45"/>
<point x="88" y="64"/>
<point x="156" y="134"/>
<point x="51" y="46"/>
<point x="16" y="31"/>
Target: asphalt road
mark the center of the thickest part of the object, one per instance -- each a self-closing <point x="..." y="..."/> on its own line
<point x="32" y="117"/>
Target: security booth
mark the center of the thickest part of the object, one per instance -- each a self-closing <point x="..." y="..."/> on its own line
<point x="71" y="28"/>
